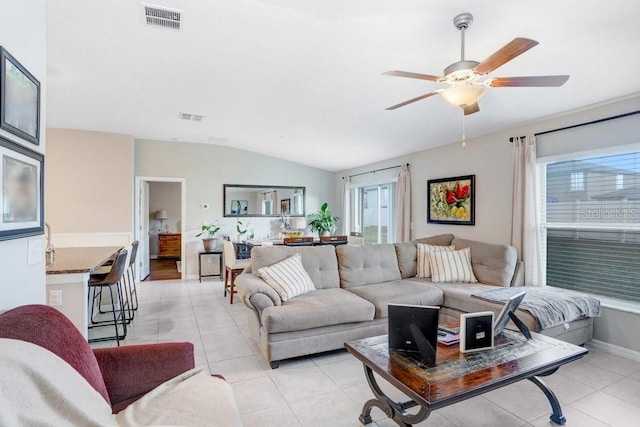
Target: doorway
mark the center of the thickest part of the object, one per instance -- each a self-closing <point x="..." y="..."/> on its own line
<point x="160" y="214"/>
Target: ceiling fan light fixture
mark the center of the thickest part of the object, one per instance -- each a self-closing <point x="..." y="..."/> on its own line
<point x="461" y="96"/>
<point x="461" y="72"/>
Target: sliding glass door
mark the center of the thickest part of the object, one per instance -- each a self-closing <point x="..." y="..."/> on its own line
<point x="371" y="211"/>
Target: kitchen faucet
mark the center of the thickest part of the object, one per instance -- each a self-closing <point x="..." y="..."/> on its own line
<point x="50" y="250"/>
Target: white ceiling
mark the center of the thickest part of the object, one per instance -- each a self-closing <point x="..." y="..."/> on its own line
<point x="302" y="80"/>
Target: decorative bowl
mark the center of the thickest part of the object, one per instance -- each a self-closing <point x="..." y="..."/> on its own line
<point x="293" y="234"/>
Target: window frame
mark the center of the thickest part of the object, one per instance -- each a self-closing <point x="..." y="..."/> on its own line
<point x="544" y="225"/>
<point x="391" y="205"/>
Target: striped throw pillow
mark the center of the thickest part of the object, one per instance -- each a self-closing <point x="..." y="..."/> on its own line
<point x="453" y="266"/>
<point x="288" y="278"/>
<point x="423" y="257"/>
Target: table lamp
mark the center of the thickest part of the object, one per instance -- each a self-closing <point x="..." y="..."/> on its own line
<point x="161" y="216"/>
<point x="299" y="223"/>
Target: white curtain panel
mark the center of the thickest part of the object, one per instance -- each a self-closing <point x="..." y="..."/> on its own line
<point x="403" y="205"/>
<point x="525" y="226"/>
<point x="345" y="205"/>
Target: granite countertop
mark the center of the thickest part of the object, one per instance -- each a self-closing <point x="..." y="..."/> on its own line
<point x="80" y="260"/>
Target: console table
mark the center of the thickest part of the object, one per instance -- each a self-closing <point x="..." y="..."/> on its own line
<point x="327" y="240"/>
<point x="220" y="263"/>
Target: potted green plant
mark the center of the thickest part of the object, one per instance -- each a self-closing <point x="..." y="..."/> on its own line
<point x="323" y="221"/>
<point x="208" y="233"/>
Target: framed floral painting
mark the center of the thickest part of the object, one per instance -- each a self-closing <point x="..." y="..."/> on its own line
<point x="452" y="200"/>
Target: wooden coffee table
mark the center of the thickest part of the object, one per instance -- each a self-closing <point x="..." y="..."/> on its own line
<point x="456" y="376"/>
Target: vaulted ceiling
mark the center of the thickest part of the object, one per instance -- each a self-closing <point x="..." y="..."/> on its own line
<point x="302" y="80"/>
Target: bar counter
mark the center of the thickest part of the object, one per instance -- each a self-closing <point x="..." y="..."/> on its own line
<point x="80" y="260"/>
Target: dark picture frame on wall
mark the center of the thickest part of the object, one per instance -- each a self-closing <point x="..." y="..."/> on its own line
<point x="19" y="99"/>
<point x="22" y="191"/>
<point x="285" y="206"/>
<point x="452" y="200"/>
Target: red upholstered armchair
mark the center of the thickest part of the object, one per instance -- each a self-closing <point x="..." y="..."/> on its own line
<point x="120" y="374"/>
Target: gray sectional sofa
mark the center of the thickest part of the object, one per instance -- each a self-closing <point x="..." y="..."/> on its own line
<point x="356" y="283"/>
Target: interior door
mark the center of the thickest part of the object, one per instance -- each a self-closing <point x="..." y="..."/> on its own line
<point x="143" y="229"/>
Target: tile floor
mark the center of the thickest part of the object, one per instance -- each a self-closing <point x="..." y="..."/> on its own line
<point x="329" y="389"/>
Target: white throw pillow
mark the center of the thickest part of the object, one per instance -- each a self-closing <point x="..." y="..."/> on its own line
<point x="452" y="266"/>
<point x="288" y="278"/>
<point x="423" y="257"/>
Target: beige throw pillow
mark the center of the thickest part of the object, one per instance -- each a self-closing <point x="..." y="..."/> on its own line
<point x="452" y="266"/>
<point x="424" y="270"/>
<point x="288" y="278"/>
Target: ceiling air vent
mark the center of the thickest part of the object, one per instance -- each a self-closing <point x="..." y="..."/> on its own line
<point x="157" y="16"/>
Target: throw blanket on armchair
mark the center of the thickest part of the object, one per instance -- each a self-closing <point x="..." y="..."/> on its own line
<point x="550" y="306"/>
<point x="38" y="388"/>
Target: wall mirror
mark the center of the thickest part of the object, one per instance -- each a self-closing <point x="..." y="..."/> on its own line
<point x="263" y="200"/>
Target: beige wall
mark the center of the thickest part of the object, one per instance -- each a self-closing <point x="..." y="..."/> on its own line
<point x="89" y="182"/>
<point x="489" y="158"/>
<point x="23" y="34"/>
<point x="207" y="167"/>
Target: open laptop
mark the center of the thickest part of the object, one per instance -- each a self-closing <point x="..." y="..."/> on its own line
<point x="414" y="329"/>
<point x="507" y="312"/>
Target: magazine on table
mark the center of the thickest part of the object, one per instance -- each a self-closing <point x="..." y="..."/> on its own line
<point x="447" y="338"/>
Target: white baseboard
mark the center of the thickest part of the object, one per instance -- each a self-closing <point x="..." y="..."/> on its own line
<point x="614" y="349"/>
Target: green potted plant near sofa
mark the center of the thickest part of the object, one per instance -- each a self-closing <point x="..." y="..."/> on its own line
<point x="323" y="221"/>
<point x="208" y="233"/>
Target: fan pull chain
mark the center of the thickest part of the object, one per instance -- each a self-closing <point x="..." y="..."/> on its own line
<point x="464" y="135"/>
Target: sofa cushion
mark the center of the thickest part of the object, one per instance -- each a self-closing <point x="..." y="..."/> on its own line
<point x="367" y="264"/>
<point x="288" y="278"/>
<point x="424" y="264"/>
<point x="492" y="264"/>
<point x="407" y="255"/>
<point x="323" y="307"/>
<point x="451" y="266"/>
<point x="398" y="292"/>
<point x="319" y="262"/>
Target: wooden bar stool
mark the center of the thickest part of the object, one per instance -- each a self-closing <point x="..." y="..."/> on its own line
<point x="233" y="267"/>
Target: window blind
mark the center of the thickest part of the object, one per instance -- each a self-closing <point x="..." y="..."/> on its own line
<point x="599" y="262"/>
<point x="591" y="215"/>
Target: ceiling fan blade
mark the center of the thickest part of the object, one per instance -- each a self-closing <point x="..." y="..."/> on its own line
<point x="533" y="81"/>
<point x="471" y="108"/>
<point x="402" y="104"/>
<point x="407" y="74"/>
<point x="511" y="50"/>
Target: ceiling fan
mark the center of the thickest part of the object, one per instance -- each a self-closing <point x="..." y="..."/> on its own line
<point x="468" y="79"/>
